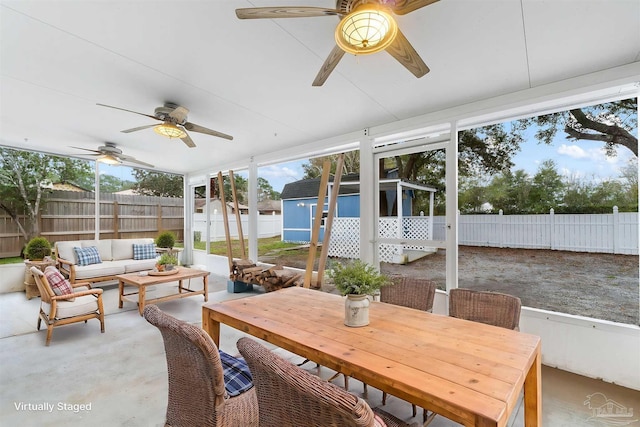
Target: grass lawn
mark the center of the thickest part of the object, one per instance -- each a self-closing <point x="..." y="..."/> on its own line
<point x="11" y="260"/>
<point x="266" y="246"/>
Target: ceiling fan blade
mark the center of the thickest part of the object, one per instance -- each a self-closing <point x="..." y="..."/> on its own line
<point x="402" y="7"/>
<point x="284" y="12"/>
<point x="87" y="149"/>
<point x="329" y="64"/>
<point x="188" y="141"/>
<point x="137" y="129"/>
<point x="201" y="129"/>
<point x="133" y="160"/>
<point x="130" y="111"/>
<point x="402" y="50"/>
<point x="180" y="114"/>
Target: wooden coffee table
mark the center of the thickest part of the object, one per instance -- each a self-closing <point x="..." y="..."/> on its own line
<point x="141" y="281"/>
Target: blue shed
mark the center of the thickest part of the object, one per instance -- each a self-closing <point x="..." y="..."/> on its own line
<point x="300" y="202"/>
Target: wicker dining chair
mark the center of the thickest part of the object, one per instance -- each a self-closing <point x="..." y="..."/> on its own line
<point x="81" y="304"/>
<point x="197" y="395"/>
<point x="289" y="396"/>
<point x="413" y="292"/>
<point x="492" y="308"/>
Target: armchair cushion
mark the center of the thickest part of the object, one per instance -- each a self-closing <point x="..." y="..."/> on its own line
<point x="87" y="256"/>
<point x="82" y="305"/>
<point x="237" y="377"/>
<point x="144" y="251"/>
<point x="59" y="285"/>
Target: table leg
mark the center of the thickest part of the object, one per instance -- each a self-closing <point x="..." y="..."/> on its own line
<point x="205" y="282"/>
<point x="211" y="327"/>
<point x="141" y="295"/>
<point x="180" y="286"/>
<point x="120" y="292"/>
<point x="533" y="394"/>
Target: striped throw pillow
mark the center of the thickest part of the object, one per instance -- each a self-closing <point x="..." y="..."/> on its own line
<point x="237" y="377"/>
<point x="88" y="255"/>
<point x="144" y="251"/>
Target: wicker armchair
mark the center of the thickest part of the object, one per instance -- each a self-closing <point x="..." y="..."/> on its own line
<point x="57" y="310"/>
<point x="196" y="381"/>
<point x="492" y="308"/>
<point x="412" y="292"/>
<point x="290" y="397"/>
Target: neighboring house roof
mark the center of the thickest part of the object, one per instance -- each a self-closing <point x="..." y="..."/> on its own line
<point x="68" y="186"/>
<point x="310" y="187"/>
<point x="269" y="206"/>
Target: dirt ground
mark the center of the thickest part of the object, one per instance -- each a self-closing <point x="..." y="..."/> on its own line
<point x="602" y="286"/>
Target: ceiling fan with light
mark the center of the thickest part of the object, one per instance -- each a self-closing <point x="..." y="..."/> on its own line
<point x="175" y="124"/>
<point x="366" y="26"/>
<point x="112" y="155"/>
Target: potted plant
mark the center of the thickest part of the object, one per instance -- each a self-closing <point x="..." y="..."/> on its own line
<point x="357" y="280"/>
<point x="166" y="239"/>
<point x="166" y="262"/>
<point x="37" y="249"/>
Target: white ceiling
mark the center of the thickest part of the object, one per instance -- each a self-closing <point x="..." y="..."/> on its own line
<point x="252" y="78"/>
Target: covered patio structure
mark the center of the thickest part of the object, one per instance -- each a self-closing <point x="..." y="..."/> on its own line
<point x="490" y="62"/>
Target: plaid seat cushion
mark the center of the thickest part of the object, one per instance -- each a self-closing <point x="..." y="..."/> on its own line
<point x="237" y="377"/>
<point x="144" y="251"/>
<point x="88" y="255"/>
<point x="59" y="285"/>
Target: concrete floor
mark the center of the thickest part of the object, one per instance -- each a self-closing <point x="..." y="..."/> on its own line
<point x="120" y="376"/>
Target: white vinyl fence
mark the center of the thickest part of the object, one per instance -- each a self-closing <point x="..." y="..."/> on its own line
<point x="616" y="233"/>
<point x="268" y="226"/>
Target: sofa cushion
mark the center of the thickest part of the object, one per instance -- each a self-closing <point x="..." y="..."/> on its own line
<point x="139" y="265"/>
<point x="87" y="256"/>
<point x="144" y="251"/>
<point x="65" y="251"/>
<point x="59" y="285"/>
<point x="109" y="268"/>
<point x="123" y="248"/>
<point x="104" y="247"/>
<point x="82" y="305"/>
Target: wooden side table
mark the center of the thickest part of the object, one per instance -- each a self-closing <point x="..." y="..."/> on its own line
<point x="30" y="287"/>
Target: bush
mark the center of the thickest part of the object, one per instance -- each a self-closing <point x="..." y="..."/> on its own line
<point x="166" y="239"/>
<point x="37" y="248"/>
<point x="197" y="236"/>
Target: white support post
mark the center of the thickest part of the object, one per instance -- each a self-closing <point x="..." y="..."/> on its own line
<point x="97" y="202"/>
<point x="207" y="215"/>
<point x="616" y="230"/>
<point x="552" y="226"/>
<point x="253" y="211"/>
<point x="451" y="177"/>
<point x="187" y="229"/>
<point x="368" y="208"/>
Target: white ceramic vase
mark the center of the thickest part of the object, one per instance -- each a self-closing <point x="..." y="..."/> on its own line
<point x="356" y="310"/>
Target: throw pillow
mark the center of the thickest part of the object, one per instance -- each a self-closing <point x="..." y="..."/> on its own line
<point x="59" y="285"/>
<point x="144" y="251"/>
<point x="237" y="377"/>
<point x="88" y="255"/>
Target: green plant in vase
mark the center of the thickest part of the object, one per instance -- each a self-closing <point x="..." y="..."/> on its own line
<point x="166" y="262"/>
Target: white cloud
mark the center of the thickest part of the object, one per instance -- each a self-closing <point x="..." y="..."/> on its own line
<point x="276" y="171"/>
<point x="572" y="151"/>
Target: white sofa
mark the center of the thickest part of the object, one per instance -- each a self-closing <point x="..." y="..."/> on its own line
<point x="116" y="257"/>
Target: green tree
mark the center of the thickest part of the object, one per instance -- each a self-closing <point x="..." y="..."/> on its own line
<point x="266" y="191"/>
<point x="23" y="178"/>
<point x="548" y="188"/>
<point x="113" y="184"/>
<point x="350" y="165"/>
<point x="161" y="184"/>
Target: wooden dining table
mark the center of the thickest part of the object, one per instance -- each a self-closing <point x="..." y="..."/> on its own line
<point x="469" y="372"/>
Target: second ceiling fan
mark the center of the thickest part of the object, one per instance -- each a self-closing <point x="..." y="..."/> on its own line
<point x="366" y="26"/>
<point x="175" y="123"/>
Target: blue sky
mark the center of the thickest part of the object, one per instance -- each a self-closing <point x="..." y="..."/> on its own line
<point x="584" y="160"/>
